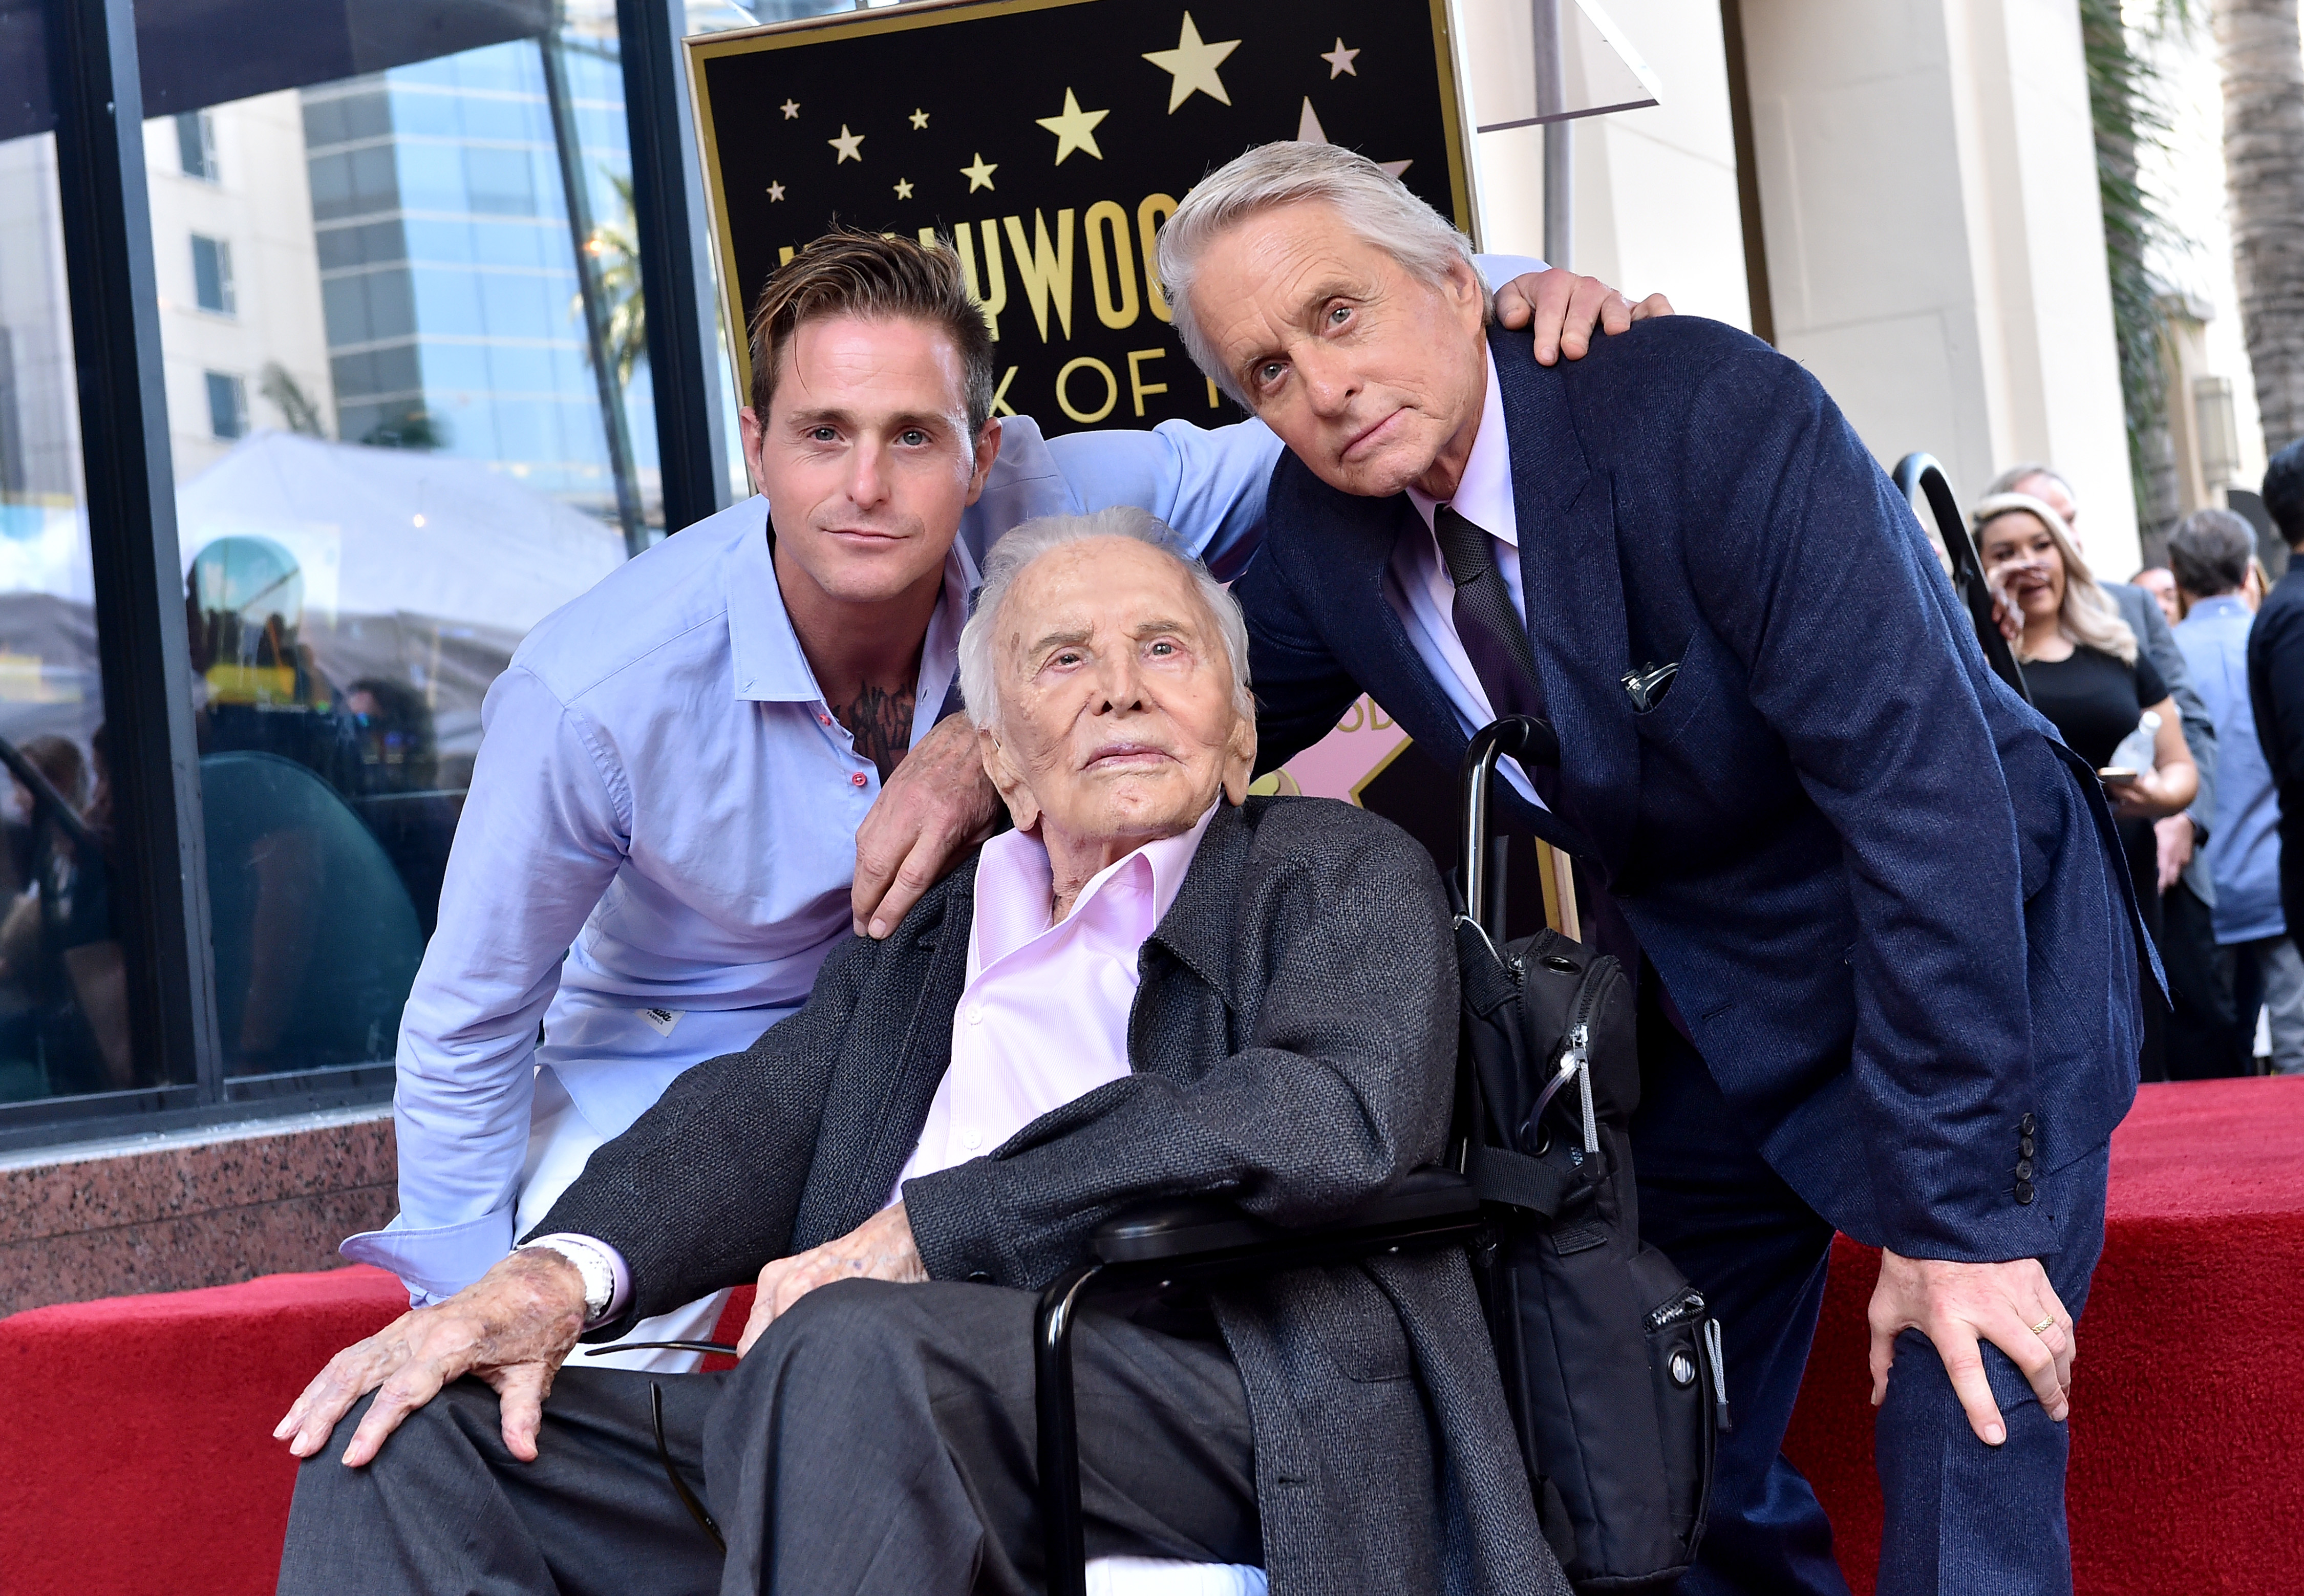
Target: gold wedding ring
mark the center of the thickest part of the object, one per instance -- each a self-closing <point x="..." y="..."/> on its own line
<point x="2044" y="1326"/>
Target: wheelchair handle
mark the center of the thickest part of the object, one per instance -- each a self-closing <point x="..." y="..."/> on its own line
<point x="1517" y="736"/>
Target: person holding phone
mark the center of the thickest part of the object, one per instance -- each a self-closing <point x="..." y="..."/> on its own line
<point x="2085" y="672"/>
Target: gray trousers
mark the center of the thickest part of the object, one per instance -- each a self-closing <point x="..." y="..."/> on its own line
<point x="880" y="1438"/>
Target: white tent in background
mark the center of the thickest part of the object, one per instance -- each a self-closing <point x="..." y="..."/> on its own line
<point x="420" y="567"/>
<point x="399" y="531"/>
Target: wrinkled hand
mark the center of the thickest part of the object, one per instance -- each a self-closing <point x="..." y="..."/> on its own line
<point x="934" y="806"/>
<point x="514" y="1328"/>
<point x="1958" y="1306"/>
<point x="2173" y="838"/>
<point x="879" y="1248"/>
<point x="1565" y="307"/>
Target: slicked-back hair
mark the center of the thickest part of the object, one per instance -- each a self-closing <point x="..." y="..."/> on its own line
<point x="1372" y="202"/>
<point x="849" y="272"/>
<point x="2208" y="552"/>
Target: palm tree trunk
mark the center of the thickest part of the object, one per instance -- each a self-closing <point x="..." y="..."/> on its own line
<point x="2263" y="62"/>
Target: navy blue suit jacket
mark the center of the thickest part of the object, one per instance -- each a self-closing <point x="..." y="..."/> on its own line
<point x="1889" y="907"/>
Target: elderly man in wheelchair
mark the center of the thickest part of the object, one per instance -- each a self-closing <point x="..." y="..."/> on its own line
<point x="1155" y="987"/>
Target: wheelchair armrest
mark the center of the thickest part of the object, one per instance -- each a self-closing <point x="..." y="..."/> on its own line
<point x="1183" y="1229"/>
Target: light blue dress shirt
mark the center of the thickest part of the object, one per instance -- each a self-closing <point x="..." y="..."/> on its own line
<point x="654" y="878"/>
<point x="2243" y="851"/>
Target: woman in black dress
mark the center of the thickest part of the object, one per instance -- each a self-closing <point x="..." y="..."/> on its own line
<point x="2083" y="671"/>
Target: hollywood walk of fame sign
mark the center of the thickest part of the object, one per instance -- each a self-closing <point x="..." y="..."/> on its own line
<point x="1049" y="140"/>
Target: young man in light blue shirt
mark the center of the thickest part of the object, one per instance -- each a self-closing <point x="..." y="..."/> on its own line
<point x="657" y="847"/>
<point x="2209" y="554"/>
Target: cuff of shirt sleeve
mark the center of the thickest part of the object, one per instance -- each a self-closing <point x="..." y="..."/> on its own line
<point x="435" y="1262"/>
<point x="607" y="1283"/>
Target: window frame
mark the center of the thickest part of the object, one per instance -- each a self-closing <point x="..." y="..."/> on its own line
<point x="103" y="185"/>
<point x="227" y="295"/>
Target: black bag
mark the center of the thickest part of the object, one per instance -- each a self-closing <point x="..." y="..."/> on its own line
<point x="1611" y="1366"/>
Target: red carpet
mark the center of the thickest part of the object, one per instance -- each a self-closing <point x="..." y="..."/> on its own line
<point x="135" y="1451"/>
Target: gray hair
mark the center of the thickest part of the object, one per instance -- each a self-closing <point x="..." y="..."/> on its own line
<point x="1374" y="203"/>
<point x="2024" y="470"/>
<point x="1010" y="557"/>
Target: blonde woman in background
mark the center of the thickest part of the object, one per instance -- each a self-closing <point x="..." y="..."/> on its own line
<point x="2084" y="673"/>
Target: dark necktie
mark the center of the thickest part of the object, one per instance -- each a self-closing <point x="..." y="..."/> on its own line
<point x="1487" y="625"/>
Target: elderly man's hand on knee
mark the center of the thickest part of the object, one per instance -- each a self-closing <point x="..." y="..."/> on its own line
<point x="514" y="1328"/>
<point x="879" y="1248"/>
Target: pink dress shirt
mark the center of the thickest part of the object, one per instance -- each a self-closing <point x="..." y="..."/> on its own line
<point x="1043" y="1017"/>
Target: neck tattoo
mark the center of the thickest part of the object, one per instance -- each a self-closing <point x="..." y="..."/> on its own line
<point x="880" y="724"/>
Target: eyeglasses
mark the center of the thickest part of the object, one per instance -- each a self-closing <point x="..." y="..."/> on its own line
<point x="656" y="1412"/>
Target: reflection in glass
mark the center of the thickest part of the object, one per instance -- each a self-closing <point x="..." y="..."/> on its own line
<point x="439" y="360"/>
<point x="64" y="1026"/>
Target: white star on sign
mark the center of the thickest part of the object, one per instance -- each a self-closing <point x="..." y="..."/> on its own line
<point x="1309" y="132"/>
<point x="919" y="119"/>
<point x="850" y="144"/>
<point x="776" y="189"/>
<point x="791" y="108"/>
<point x="1191" y="66"/>
<point x="1340" y="60"/>
<point x="903" y="186"/>
<point x="979" y="175"/>
<point x="1074" y="129"/>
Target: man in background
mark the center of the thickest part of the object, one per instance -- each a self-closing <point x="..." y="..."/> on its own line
<point x="2161" y="582"/>
<point x="2210" y="553"/>
<point x="2276" y="675"/>
<point x="2174" y="1042"/>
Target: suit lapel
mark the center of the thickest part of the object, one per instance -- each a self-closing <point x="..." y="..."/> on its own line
<point x="1343" y="579"/>
<point x="1573" y="585"/>
<point x="877" y="1102"/>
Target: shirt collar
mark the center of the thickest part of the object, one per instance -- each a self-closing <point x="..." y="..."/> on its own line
<point x="1014" y="879"/>
<point x="1484" y="495"/>
<point x="2223" y="604"/>
<point x="769" y="665"/>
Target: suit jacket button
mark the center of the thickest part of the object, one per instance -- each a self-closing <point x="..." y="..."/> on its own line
<point x="2024" y="1191"/>
<point x="2023" y="1169"/>
<point x="2025" y="1126"/>
<point x="978" y="1277"/>
<point x="2023" y="1147"/>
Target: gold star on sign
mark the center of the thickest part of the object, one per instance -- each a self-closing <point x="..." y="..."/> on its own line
<point x="791" y="108"/>
<point x="1340" y="60"/>
<point x="903" y="186"/>
<point x="979" y="175"/>
<point x="919" y="119"/>
<point x="1074" y="128"/>
<point x="776" y="189"/>
<point x="1191" y="66"/>
<point x="1309" y="132"/>
<point x="849" y="144"/>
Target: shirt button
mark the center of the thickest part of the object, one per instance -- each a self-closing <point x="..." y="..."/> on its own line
<point x="856" y="778"/>
<point x="972" y="1141"/>
<point x="975" y="1015"/>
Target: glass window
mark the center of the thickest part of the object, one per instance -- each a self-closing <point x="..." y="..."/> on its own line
<point x="212" y="288"/>
<point x="64" y="983"/>
<point x="427" y="462"/>
<point x="227" y="405"/>
<point x="196" y="154"/>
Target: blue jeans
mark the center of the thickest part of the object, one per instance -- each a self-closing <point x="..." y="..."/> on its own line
<point x="1962" y="1519"/>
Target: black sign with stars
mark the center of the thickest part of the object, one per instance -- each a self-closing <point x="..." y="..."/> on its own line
<point x="1049" y="140"/>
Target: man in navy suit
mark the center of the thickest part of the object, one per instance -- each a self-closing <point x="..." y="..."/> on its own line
<point x="1888" y="962"/>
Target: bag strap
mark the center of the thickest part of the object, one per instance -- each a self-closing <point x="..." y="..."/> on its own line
<point x="1500" y="1174"/>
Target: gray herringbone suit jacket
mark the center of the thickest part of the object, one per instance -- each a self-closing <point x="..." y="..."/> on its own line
<point x="1293" y="1043"/>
